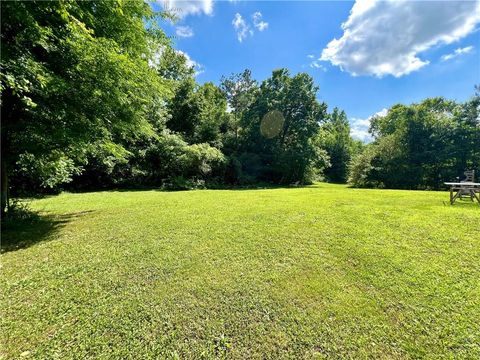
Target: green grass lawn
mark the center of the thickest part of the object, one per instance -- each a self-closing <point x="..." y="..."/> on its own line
<point x="315" y="272"/>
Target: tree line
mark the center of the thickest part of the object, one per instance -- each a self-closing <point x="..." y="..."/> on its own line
<point x="94" y="95"/>
<point x="420" y="146"/>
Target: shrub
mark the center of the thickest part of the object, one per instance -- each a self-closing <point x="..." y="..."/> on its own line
<point x="360" y="167"/>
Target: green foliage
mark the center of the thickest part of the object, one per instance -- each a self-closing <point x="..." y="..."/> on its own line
<point x="76" y="73"/>
<point x="49" y="170"/>
<point x="95" y="87"/>
<point x="170" y="160"/>
<point x="337" y="142"/>
<point x="212" y="115"/>
<point x="287" y="156"/>
<point x="240" y="91"/>
<point x="421" y="145"/>
<point x="201" y="160"/>
<point x="173" y="65"/>
<point x="104" y="165"/>
<point x="183" y="109"/>
<point x="162" y="157"/>
<point x="360" y="168"/>
<point x="20" y="216"/>
<point x="198" y="113"/>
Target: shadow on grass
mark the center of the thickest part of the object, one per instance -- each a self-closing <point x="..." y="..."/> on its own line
<point x="465" y="203"/>
<point x="21" y="232"/>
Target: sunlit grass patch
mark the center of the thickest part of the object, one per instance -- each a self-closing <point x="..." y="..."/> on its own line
<point x="314" y="272"/>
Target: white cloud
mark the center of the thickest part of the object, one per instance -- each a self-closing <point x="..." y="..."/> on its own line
<point x="360" y="134"/>
<point x="258" y="22"/>
<point x="241" y="27"/>
<point x="385" y="37"/>
<point x="184" y="31"/>
<point x="381" y="113"/>
<point x="197" y="67"/>
<point x="316" y="63"/>
<point x="359" y="127"/>
<point x="244" y="29"/>
<point x="182" y="8"/>
<point x="457" y="52"/>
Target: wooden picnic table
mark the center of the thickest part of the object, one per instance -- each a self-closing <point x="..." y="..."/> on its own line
<point x="457" y="189"/>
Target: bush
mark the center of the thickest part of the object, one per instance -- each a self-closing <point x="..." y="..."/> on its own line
<point x="202" y="160"/>
<point x="163" y="158"/>
<point x="36" y="174"/>
<point x="360" y="167"/>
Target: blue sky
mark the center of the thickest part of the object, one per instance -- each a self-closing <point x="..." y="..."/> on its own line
<point x="386" y="52"/>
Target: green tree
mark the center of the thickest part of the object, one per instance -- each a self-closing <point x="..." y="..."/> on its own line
<point x="337" y="142"/>
<point x="422" y="145"/>
<point x="281" y="126"/>
<point x="212" y="117"/>
<point x="173" y="65"/>
<point x="240" y="91"/>
<point x="183" y="109"/>
<point x="198" y="113"/>
<point x="73" y="74"/>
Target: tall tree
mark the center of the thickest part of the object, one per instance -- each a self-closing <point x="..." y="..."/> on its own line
<point x="336" y="140"/>
<point x="281" y="125"/>
<point x="240" y="90"/>
<point x="212" y="115"/>
<point x="75" y="73"/>
<point x="198" y="112"/>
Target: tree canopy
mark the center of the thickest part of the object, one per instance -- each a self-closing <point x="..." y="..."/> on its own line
<point x="75" y="74"/>
<point x="422" y="145"/>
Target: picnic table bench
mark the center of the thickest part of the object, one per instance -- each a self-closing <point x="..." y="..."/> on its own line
<point x="459" y="189"/>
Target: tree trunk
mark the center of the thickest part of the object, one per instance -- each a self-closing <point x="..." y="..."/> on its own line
<point x="4" y="146"/>
<point x="4" y="188"/>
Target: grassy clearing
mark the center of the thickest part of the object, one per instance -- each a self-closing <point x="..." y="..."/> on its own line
<point x="322" y="271"/>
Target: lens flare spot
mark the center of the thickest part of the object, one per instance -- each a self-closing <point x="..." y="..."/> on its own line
<point x="272" y="124"/>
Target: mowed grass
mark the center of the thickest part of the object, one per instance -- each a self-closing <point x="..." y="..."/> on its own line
<point x="318" y="272"/>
